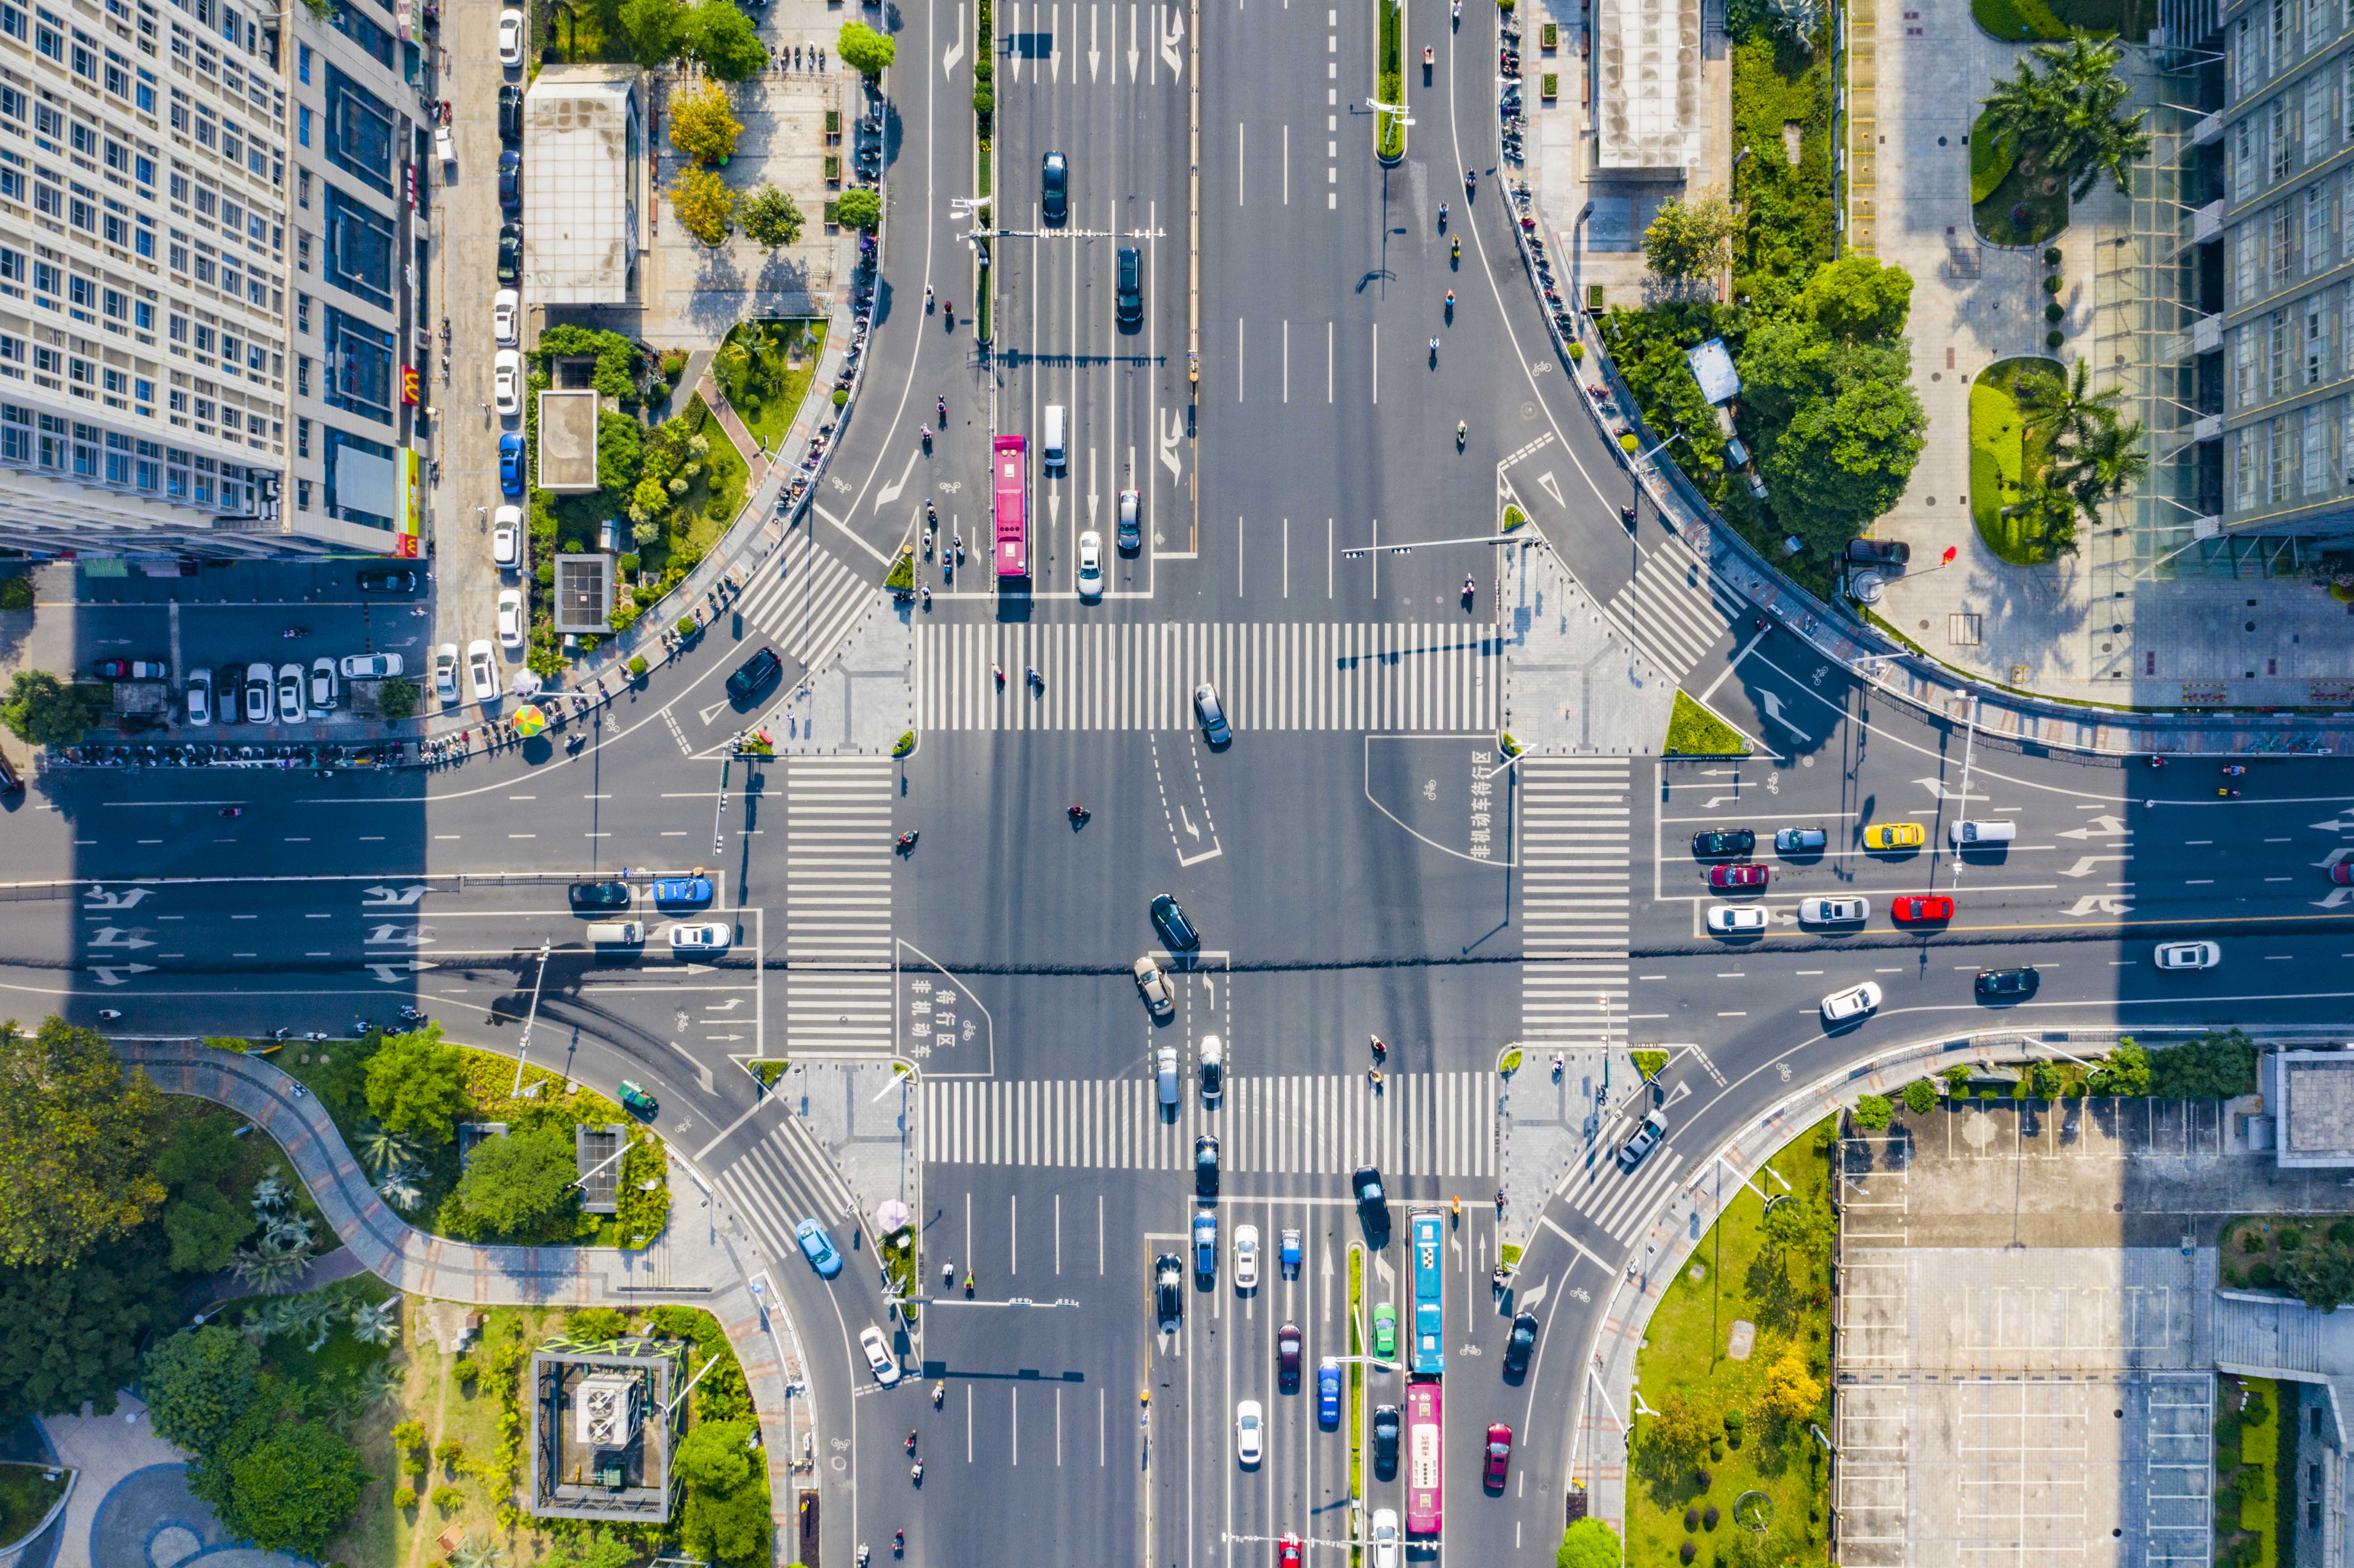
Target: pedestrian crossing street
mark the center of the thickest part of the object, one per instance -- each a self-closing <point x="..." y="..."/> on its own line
<point x="781" y="1181"/>
<point x="1575" y="857"/>
<point x="1674" y="607"/>
<point x="1423" y="1124"/>
<point x="804" y="603"/>
<point x="838" y="957"/>
<point x="1140" y="675"/>
<point x="1616" y="1201"/>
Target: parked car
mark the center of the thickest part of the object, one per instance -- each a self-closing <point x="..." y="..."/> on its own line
<point x="510" y="254"/>
<point x="387" y="579"/>
<point x="511" y="627"/>
<point x="258" y="678"/>
<point x="200" y="698"/>
<point x="1879" y="552"/>
<point x="506" y="538"/>
<point x="132" y="669"/>
<point x="480" y="672"/>
<point x="323" y="685"/>
<point x="511" y="181"/>
<point x="510" y="38"/>
<point x="289" y="693"/>
<point x="371" y="666"/>
<point x="506" y="323"/>
<point x="511" y="462"/>
<point x="510" y="113"/>
<point x="445" y="675"/>
<point x="507" y="383"/>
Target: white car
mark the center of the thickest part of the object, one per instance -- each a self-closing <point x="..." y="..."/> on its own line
<point x="1155" y="986"/>
<point x="1164" y="1074"/>
<point x="506" y="382"/>
<point x="323" y="685"/>
<point x="1847" y="1006"/>
<point x="479" y="672"/>
<point x="200" y="698"/>
<point x="1727" y="920"/>
<point x="879" y="1358"/>
<point x="289" y="693"/>
<point x="510" y="37"/>
<point x="1091" y="565"/>
<point x="510" y="618"/>
<point x="1834" y="911"/>
<point x="1211" y="1060"/>
<point x="701" y="937"/>
<point x="376" y="666"/>
<point x="2188" y="955"/>
<point x="445" y="675"/>
<point x="257" y="693"/>
<point x="506" y="313"/>
<point x="1246" y="1257"/>
<point x="1384" y="1538"/>
<point x="445" y="147"/>
<point x="1250" y="1432"/>
<point x="506" y="538"/>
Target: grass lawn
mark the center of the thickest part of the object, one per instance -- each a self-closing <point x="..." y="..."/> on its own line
<point x="467" y="1413"/>
<point x="715" y="495"/>
<point x="773" y="388"/>
<point x="2252" y="1247"/>
<point x="2247" y="1472"/>
<point x="1735" y="1276"/>
<point x="25" y="1498"/>
<point x="2017" y="19"/>
<point x="569" y="34"/>
<point x="2044" y="195"/>
<point x="1694" y="731"/>
<point x="2002" y="454"/>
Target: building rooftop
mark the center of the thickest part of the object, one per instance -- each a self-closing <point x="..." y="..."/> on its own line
<point x="582" y="138"/>
<point x="2314" y="1096"/>
<point x="584" y="592"/>
<point x="1647" y="113"/>
<point x="568" y="442"/>
<point x="600" y="1434"/>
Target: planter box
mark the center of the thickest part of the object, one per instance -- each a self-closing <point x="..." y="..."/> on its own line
<point x="1549" y="38"/>
<point x="1552" y="86"/>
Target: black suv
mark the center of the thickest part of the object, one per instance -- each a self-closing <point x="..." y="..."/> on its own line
<point x="1169" y="1288"/>
<point x="1206" y="1167"/>
<point x="1523" y="1341"/>
<point x="1723" y="840"/>
<point x="387" y="579"/>
<point x="1879" y="552"/>
<point x="1385" y="1440"/>
<point x="2004" y="984"/>
<point x="510" y="253"/>
<point x="510" y="114"/>
<point x="1054" y="188"/>
<point x="1131" y="286"/>
<point x="753" y="675"/>
<point x="600" y="895"/>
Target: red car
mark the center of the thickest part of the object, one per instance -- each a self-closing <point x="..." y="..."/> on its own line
<point x="2342" y="873"/>
<point x="1499" y="1456"/>
<point x="1287" y="1552"/>
<point x="1917" y="907"/>
<point x="1736" y="878"/>
<point x="1287" y="1356"/>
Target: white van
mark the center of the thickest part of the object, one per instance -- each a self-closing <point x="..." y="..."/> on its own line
<point x="617" y="934"/>
<point x="1053" y="447"/>
<point x="1970" y="836"/>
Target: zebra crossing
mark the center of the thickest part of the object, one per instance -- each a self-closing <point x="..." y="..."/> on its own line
<point x="1424" y="1124"/>
<point x="1617" y="1201"/>
<point x="805" y="602"/>
<point x="1674" y="607"/>
<point x="1575" y="857"/>
<point x="838" y="957"/>
<point x="1140" y="675"/>
<point x="781" y="1180"/>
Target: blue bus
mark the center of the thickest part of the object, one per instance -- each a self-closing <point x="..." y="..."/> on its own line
<point x="1430" y="1328"/>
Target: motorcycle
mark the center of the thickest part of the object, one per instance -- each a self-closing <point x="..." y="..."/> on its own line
<point x="2234" y="771"/>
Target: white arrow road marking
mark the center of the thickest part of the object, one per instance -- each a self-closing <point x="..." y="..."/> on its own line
<point x="955" y="51"/>
<point x="2099" y="903"/>
<point x="1532" y="1295"/>
<point x="1774" y="711"/>
<point x="2331" y="827"/>
<point x="1936" y="787"/>
<point x="1095" y="28"/>
<point x="1551" y="486"/>
<point x="1172" y="426"/>
<point x="1053" y="507"/>
<point x="398" y="936"/>
<point x="2102" y="827"/>
<point x="891" y="492"/>
<point x="112" y="937"/>
<point x="1191" y="831"/>
<point x="2335" y="856"/>
<point x="1014" y="55"/>
<point x="2337" y="895"/>
<point x="120" y="974"/>
<point x="2084" y="864"/>
<point x="380" y="898"/>
<point x="701" y="1072"/>
<point x="707" y="715"/>
<point x="732" y="1004"/>
<point x="99" y="898"/>
<point x="1132" y="35"/>
<point x="1175" y="36"/>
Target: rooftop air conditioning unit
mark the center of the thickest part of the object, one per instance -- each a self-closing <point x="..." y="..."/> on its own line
<point x="605" y="1412"/>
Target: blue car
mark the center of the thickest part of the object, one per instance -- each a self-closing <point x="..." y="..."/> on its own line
<point x="818" y="1247"/>
<point x="1328" y="1391"/>
<point x="511" y="463"/>
<point x="1205" y="1246"/>
<point x="682" y="890"/>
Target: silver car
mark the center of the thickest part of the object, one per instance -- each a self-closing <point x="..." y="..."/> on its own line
<point x="445" y="675"/>
<point x="1847" y="1006"/>
<point x="257" y="693"/>
<point x="2188" y="955"/>
<point x="1834" y="911"/>
<point x="1164" y="1074"/>
<point x="372" y="667"/>
<point x="289" y="693"/>
<point x="200" y="697"/>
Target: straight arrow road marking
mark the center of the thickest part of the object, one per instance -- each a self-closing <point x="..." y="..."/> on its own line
<point x="1095" y="31"/>
<point x="2337" y="895"/>
<point x="2098" y="828"/>
<point x="2333" y="826"/>
<point x="2084" y="864"/>
<point x="120" y="974"/>
<point x="1772" y="705"/>
<point x="1133" y="35"/>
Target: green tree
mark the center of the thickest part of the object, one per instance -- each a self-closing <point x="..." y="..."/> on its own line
<point x="705" y="205"/>
<point x="519" y="1180"/>
<point x="78" y="1139"/>
<point x="291" y="1491"/>
<point x="201" y="1148"/>
<point x="858" y="209"/>
<point x="1844" y="462"/>
<point x="702" y="123"/>
<point x="769" y="217"/>
<point x="1691" y="238"/>
<point x="2124" y="1071"/>
<point x="716" y="1456"/>
<point x="1588" y="1544"/>
<point x="1872" y="1112"/>
<point x="653" y="28"/>
<point x="397" y="699"/>
<point x="1920" y="1096"/>
<point x="727" y="1515"/>
<point x="45" y="711"/>
<point x="204" y="1227"/>
<point x="864" y="50"/>
<point x="2321" y="1277"/>
<point x="2217" y="1066"/>
<point x="200" y="1384"/>
<point x="1787" y="363"/>
<point x="2066" y="412"/>
<point x="720" y="36"/>
<point x="2101" y="465"/>
<point x="1800" y="1224"/>
<point x="74" y="1330"/>
<point x="2046" y="513"/>
<point x="1856" y="297"/>
<point x="1677" y="1438"/>
<point x="417" y="1083"/>
<point x="2071" y="114"/>
<point x="601" y="1549"/>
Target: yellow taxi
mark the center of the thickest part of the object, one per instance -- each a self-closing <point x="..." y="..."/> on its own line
<point x="1892" y="836"/>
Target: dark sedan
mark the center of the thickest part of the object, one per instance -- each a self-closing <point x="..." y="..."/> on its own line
<point x="1713" y="842"/>
<point x="1287" y="1357"/>
<point x="1523" y="1340"/>
<point x="2001" y="985"/>
<point x="387" y="579"/>
<point x="601" y="895"/>
<point x="1169" y="919"/>
<point x="1879" y="552"/>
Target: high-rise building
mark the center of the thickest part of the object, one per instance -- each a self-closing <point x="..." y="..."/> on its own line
<point x="209" y="262"/>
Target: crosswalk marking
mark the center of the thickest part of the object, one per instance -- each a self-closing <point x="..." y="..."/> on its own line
<point x="1423" y="1124"/>
<point x="1574" y="855"/>
<point x="805" y="603"/>
<point x="1674" y="607"/>
<point x="781" y="1181"/>
<point x="1620" y="1203"/>
<point x="1133" y="674"/>
<point x="838" y="957"/>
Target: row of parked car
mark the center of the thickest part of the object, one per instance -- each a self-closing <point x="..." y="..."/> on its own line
<point x="285" y="693"/>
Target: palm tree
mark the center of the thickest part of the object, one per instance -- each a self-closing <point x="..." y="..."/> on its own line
<point x="292" y="1232"/>
<point x="382" y="1148"/>
<point x="377" y="1323"/>
<point x="2103" y="465"/>
<point x="268" y="1266"/>
<point x="2068" y="411"/>
<point x="400" y="1187"/>
<point x="270" y="1192"/>
<point x="474" y="1553"/>
<point x="377" y="1383"/>
<point x="2070" y="115"/>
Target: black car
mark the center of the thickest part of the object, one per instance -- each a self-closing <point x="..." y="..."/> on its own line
<point x="510" y="114"/>
<point x="1879" y="552"/>
<point x="1130" y="292"/>
<point x="1174" y="928"/>
<point x="387" y="579"/>
<point x="753" y="675"/>
<point x="1169" y="1288"/>
<point x="1367" y="1184"/>
<point x="1054" y="188"/>
<point x="511" y="181"/>
<point x="1206" y="1167"/>
<point x="1386" y="1440"/>
<point x="510" y="253"/>
<point x="1523" y="1340"/>
<point x="1723" y="840"/>
<point x="1287" y="1359"/>
<point x="600" y="895"/>
<point x="2002" y="984"/>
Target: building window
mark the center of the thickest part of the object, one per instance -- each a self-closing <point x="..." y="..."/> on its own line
<point x="2276" y="353"/>
<point x="302" y="375"/>
<point x="2317" y="341"/>
<point x="361" y="484"/>
<point x="367" y="35"/>
<point x="303" y="62"/>
<point x="360" y="245"/>
<point x="303" y="125"/>
<point x="2316" y="451"/>
<point x="360" y="132"/>
<point x="2276" y="135"/>
<point x="302" y="313"/>
<point x="301" y="438"/>
<point x="356" y="359"/>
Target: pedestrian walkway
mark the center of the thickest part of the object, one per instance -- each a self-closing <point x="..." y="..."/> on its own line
<point x="805" y="602"/>
<point x="1422" y="1124"/>
<point x="1675" y="606"/>
<point x="781" y="1181"/>
<point x="1575" y="851"/>
<point x="1270" y="675"/>
<point x="839" y="958"/>
<point x="1621" y="1203"/>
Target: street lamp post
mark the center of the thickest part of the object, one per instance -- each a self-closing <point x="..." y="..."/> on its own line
<point x="532" y="1017"/>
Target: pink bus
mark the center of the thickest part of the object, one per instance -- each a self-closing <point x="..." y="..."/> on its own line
<point x="1425" y="1472"/>
<point x="1010" y="465"/>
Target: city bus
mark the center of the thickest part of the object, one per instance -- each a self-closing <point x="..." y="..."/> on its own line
<point x="1009" y="468"/>
<point x="1425" y="1471"/>
<point x="1429" y="1358"/>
